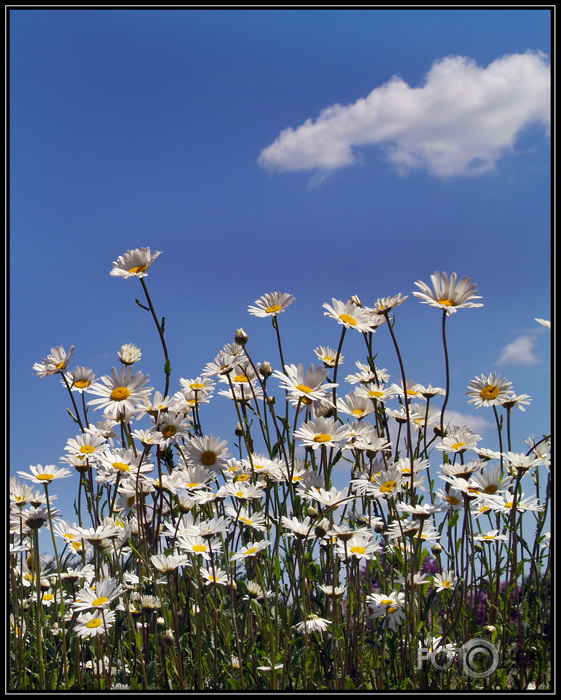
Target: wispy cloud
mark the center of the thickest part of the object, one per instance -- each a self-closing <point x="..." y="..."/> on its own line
<point x="519" y="352"/>
<point x="459" y="122"/>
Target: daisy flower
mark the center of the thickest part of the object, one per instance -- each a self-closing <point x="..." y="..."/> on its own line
<point x="333" y="497"/>
<point x="313" y="623"/>
<point x="383" y="484"/>
<point x="349" y="315"/>
<point x="120" y="391"/>
<point x="445" y="581"/>
<point x="491" y="536"/>
<point x="384" y="305"/>
<point x="489" y="481"/>
<point x="134" y="263"/>
<point x="80" y="379"/>
<point x="458" y="439"/>
<point x="242" y="490"/>
<point x="504" y="504"/>
<point x="358" y="547"/>
<point x="446" y="294"/>
<point x="518" y="462"/>
<point x="489" y="391"/>
<point x="333" y="591"/>
<point x="355" y="405"/>
<point x="91" y="624"/>
<point x="251" y="549"/>
<point x="98" y="595"/>
<point x="308" y="386"/>
<point x="196" y="544"/>
<point x="216" y="576"/>
<point x="54" y="363"/>
<point x="271" y="304"/>
<point x="256" y="521"/>
<point x="322" y="431"/>
<point x="366" y="375"/>
<point x="88" y="445"/>
<point x="391" y="607"/>
<point x="375" y="392"/>
<point x="519" y="401"/>
<point x="207" y="451"/>
<point x="412" y="389"/>
<point x="451" y="499"/>
<point x="328" y="356"/>
<point x="166" y="563"/>
<point x="299" y="529"/>
<point x="44" y="475"/>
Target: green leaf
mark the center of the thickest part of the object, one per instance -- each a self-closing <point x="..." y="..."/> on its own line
<point x="142" y="305"/>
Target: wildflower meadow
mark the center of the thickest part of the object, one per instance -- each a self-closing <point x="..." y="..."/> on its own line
<point x="238" y="562"/>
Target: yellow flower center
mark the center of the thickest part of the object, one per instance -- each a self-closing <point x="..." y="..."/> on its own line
<point x="45" y="477"/>
<point x="387" y="487"/>
<point x="447" y="302"/>
<point x="446" y="584"/>
<point x="490" y="488"/>
<point x="375" y="394"/>
<point x="251" y="551"/>
<point x="453" y="500"/>
<point x="358" y="412"/>
<point x="81" y="383"/>
<point x="169" y="430"/>
<point x="60" y="365"/>
<point x="458" y="445"/>
<point x="48" y="596"/>
<point x="193" y="485"/>
<point x="412" y="392"/>
<point x="100" y="601"/>
<point x="208" y="458"/>
<point x="247" y="521"/>
<point x="304" y="388"/>
<point x="358" y="550"/>
<point x="121" y="466"/>
<point x="92" y="624"/>
<point x="241" y="378"/>
<point x="322" y="437"/>
<point x="199" y="548"/>
<point x="273" y="309"/>
<point x="391" y="610"/>
<point x="137" y="268"/>
<point x="347" y="319"/>
<point x="386" y="601"/>
<point x="196" y="385"/>
<point x="488" y="537"/>
<point x="119" y="393"/>
<point x="87" y="449"/>
<point x="509" y="504"/>
<point x="490" y="392"/>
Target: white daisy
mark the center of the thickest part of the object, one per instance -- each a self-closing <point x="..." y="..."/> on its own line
<point x="271" y="304"/>
<point x="134" y="263"/>
<point x="447" y="294"/>
<point x="120" y="391"/>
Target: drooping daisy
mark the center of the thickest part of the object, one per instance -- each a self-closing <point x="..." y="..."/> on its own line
<point x="384" y="305"/>
<point x="55" y="363"/>
<point x="208" y="451"/>
<point x="313" y="623"/>
<point x="447" y="294"/>
<point x="489" y="391"/>
<point x="322" y="432"/>
<point x="271" y="304"/>
<point x="120" y="391"/>
<point x="349" y="315"/>
<point x="134" y="263"/>
<point x="328" y="356"/>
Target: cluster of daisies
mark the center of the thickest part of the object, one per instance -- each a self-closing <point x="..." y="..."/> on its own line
<point x="213" y="512"/>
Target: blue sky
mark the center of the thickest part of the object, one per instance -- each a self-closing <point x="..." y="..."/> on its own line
<point x="323" y="153"/>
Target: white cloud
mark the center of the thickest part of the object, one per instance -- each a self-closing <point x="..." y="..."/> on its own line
<point x="459" y="122"/>
<point x="477" y="423"/>
<point x="519" y="352"/>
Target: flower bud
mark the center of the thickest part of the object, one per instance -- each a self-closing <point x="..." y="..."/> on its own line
<point x="241" y="337"/>
<point x="356" y="300"/>
<point x="266" y="370"/>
